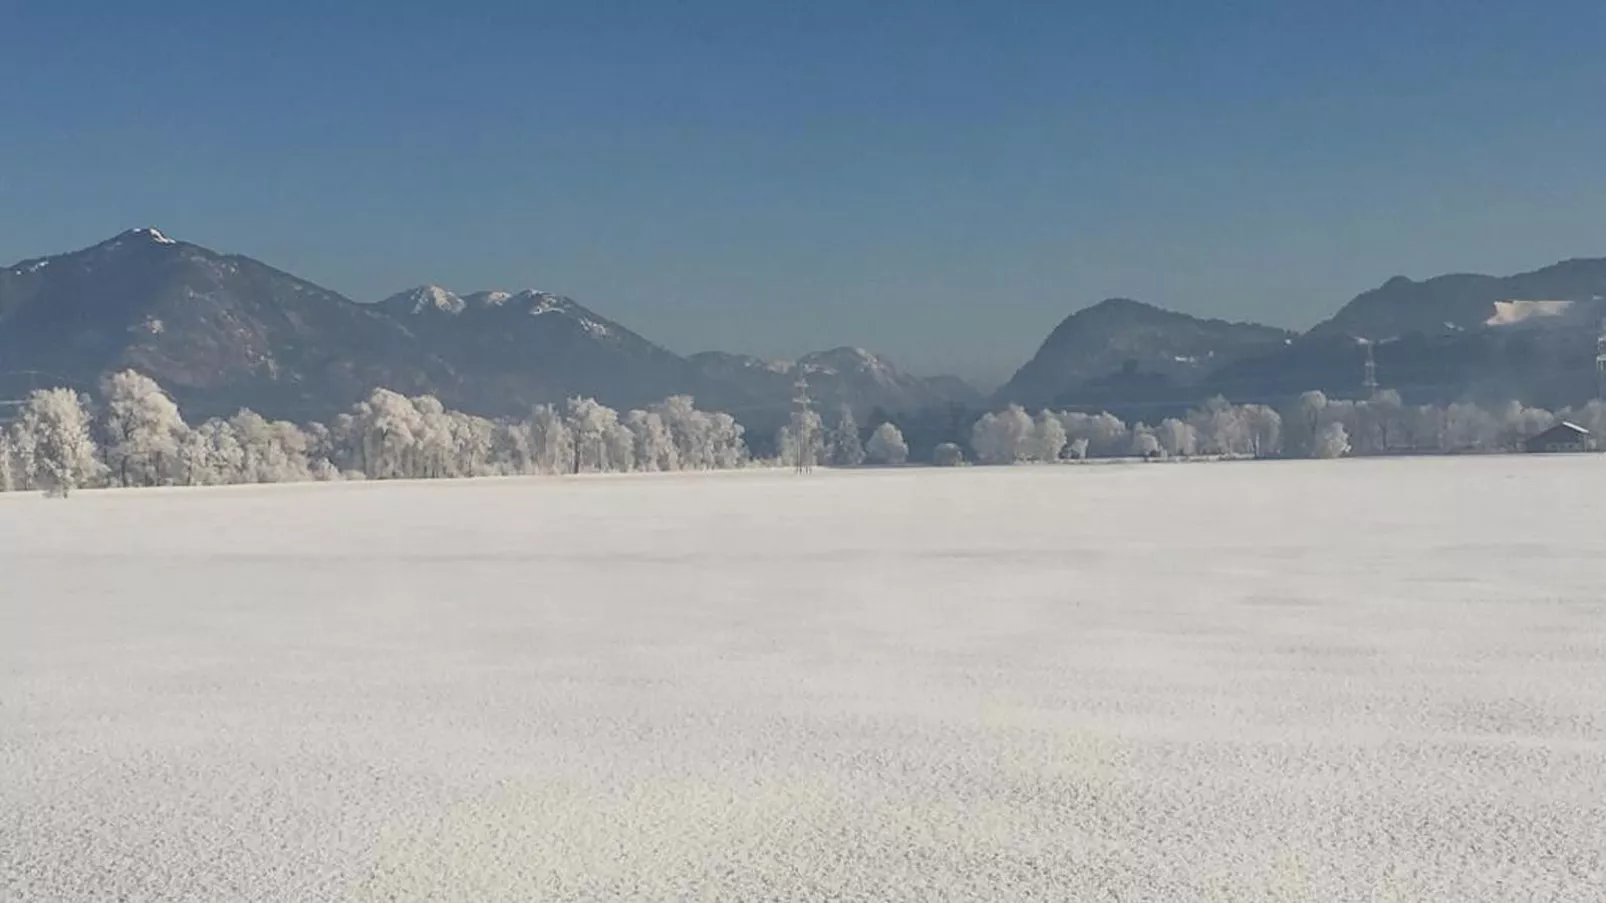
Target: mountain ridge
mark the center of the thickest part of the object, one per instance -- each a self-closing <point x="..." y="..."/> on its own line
<point x="1460" y="301"/>
<point x="222" y="331"/>
<point x="1122" y="335"/>
<point x="225" y="330"/>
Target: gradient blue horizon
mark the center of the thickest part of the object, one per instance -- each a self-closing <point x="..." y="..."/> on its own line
<point x="940" y="181"/>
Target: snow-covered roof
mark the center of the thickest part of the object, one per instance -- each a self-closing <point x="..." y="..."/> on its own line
<point x="1564" y="427"/>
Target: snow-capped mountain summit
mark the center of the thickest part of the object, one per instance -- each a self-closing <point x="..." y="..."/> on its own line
<point x="435" y="300"/>
<point x="150" y="233"/>
<point x="424" y="298"/>
<point x="525" y="347"/>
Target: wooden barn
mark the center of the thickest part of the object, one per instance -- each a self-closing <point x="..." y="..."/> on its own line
<point x="1563" y="437"/>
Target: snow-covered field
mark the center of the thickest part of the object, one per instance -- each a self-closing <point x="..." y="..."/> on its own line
<point x="1323" y="681"/>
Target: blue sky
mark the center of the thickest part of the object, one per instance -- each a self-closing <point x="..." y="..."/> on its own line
<point x="940" y="181"/>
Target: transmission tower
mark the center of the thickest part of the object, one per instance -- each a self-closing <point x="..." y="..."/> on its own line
<point x="1370" y="381"/>
<point x="802" y="426"/>
<point x="1600" y="363"/>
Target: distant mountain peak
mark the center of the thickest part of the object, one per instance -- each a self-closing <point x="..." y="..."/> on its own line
<point x="149" y="233"/>
<point x="425" y="297"/>
<point x="1123" y="304"/>
<point x="143" y="236"/>
<point x="531" y="301"/>
<point x="849" y="359"/>
<point x="1118" y="335"/>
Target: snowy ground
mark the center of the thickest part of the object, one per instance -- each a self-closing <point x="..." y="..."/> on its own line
<point x="1322" y="681"/>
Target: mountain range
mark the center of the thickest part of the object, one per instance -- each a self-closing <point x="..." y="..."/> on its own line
<point x="1530" y="337"/>
<point x="222" y="331"/>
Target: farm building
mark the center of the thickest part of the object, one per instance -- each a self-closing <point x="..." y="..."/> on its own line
<point x="1563" y="437"/>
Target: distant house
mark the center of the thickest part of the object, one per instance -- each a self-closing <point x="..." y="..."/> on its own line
<point x="1563" y="437"/>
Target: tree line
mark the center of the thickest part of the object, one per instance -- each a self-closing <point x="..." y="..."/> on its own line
<point x="1313" y="426"/>
<point x="133" y="434"/>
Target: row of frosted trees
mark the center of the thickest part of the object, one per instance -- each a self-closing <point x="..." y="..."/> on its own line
<point x="1313" y="426"/>
<point x="841" y="444"/>
<point x="134" y="435"/>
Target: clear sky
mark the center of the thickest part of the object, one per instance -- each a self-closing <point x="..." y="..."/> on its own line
<point x="940" y="181"/>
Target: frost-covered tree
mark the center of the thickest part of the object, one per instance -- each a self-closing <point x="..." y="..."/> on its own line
<point x="56" y="443"/>
<point x="790" y="451"/>
<point x="619" y="445"/>
<point x="1222" y="428"/>
<point x="257" y="455"/>
<point x="1332" y="441"/>
<point x="1004" y="437"/>
<point x="886" y="445"/>
<point x="9" y="471"/>
<point x="1144" y="443"/>
<point x="348" y="446"/>
<point x="1376" y="424"/>
<point x="1264" y="427"/>
<point x="1048" y="437"/>
<point x="388" y="425"/>
<point x="786" y="454"/>
<point x="1517" y="422"/>
<point x="511" y="451"/>
<point x="1106" y="435"/>
<point x="702" y="441"/>
<point x="846" y="448"/>
<point x="728" y="448"/>
<point x="275" y="451"/>
<point x="1177" y="438"/>
<point x="948" y="454"/>
<point x="551" y="440"/>
<point x="320" y="441"/>
<point x="1469" y="428"/>
<point x="1302" y="422"/>
<point x="600" y="443"/>
<point x="654" y="444"/>
<point x="142" y="430"/>
<point x="209" y="455"/>
<point x="385" y="436"/>
<point x="692" y="431"/>
<point x="435" y="453"/>
<point x="1078" y="448"/>
<point x="474" y="443"/>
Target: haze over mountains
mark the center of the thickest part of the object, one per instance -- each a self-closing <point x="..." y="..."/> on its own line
<point x="222" y="331"/>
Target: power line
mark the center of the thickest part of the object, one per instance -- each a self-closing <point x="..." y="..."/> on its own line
<point x="803" y="425"/>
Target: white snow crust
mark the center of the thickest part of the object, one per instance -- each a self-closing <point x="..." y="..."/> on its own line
<point x="1305" y="681"/>
<point x="154" y="234"/>
<point x="1510" y="313"/>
